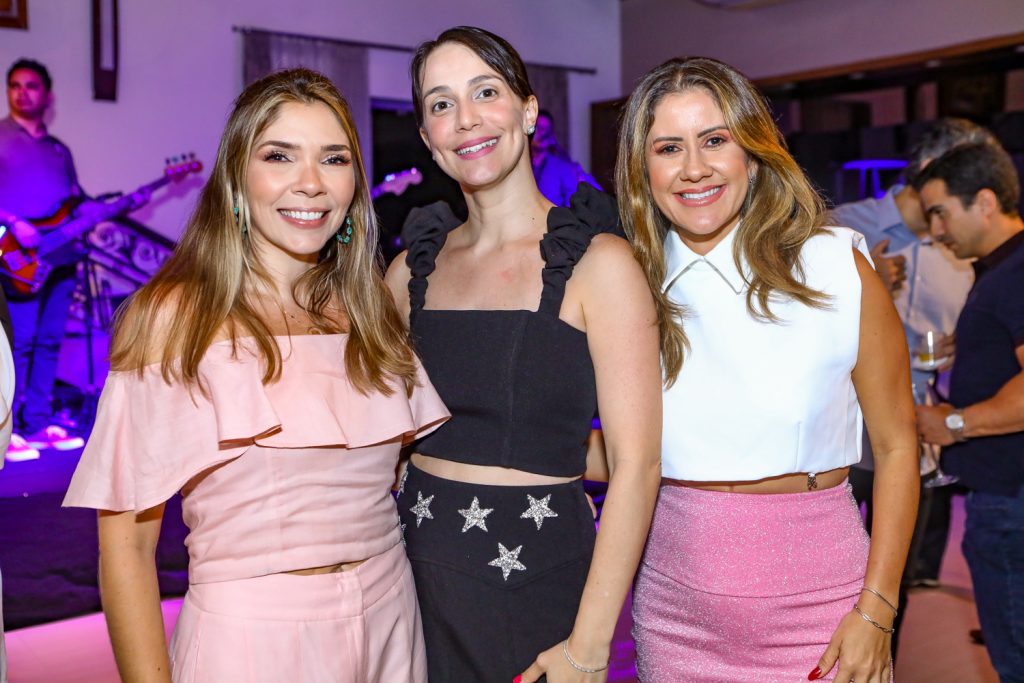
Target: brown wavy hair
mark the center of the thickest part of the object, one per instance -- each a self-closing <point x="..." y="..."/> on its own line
<point x="211" y="282"/>
<point x="781" y="210"/>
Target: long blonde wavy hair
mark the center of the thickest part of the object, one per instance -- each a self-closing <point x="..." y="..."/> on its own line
<point x="781" y="210"/>
<point x="209" y="283"/>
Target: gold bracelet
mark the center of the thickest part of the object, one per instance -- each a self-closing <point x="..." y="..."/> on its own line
<point x="578" y="667"/>
<point x="872" y="621"/>
<point x="882" y="598"/>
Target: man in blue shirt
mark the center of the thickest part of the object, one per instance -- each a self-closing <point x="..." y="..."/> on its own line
<point x="557" y="174"/>
<point x="970" y="197"/>
<point x="37" y="174"/>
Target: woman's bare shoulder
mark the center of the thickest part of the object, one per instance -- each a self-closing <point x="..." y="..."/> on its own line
<point x="607" y="261"/>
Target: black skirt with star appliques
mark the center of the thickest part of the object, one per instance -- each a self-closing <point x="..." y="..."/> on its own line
<point x="499" y="571"/>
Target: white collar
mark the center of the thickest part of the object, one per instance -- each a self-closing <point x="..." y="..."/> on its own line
<point x="679" y="259"/>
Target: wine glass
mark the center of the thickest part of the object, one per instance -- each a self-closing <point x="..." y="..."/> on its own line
<point x="932" y="476"/>
<point x="923" y="353"/>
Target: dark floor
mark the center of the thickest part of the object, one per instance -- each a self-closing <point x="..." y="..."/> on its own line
<point x="48" y="554"/>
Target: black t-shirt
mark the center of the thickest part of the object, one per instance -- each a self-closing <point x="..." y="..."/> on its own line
<point x="988" y="333"/>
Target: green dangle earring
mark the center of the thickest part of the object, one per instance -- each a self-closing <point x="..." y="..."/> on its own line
<point x="239" y="222"/>
<point x="344" y="234"/>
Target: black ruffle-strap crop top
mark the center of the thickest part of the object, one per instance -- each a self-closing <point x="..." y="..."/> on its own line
<point x="519" y="384"/>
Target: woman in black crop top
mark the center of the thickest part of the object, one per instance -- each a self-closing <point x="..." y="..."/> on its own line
<point x="522" y="344"/>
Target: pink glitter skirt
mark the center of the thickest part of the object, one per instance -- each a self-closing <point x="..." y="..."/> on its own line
<point x="745" y="587"/>
<point x="357" y="626"/>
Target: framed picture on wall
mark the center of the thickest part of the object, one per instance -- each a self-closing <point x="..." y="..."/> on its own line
<point x="14" y="14"/>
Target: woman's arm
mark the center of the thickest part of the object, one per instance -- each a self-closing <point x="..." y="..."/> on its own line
<point x="882" y="381"/>
<point x="131" y="596"/>
<point x="397" y="280"/>
<point x="622" y="333"/>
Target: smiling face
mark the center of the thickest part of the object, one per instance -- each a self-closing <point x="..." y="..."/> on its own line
<point x="27" y="95"/>
<point x="473" y="122"/>
<point x="300" y="183"/>
<point x="698" y="174"/>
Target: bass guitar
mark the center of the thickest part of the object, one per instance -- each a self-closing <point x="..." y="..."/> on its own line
<point x="23" y="271"/>
<point x="397" y="183"/>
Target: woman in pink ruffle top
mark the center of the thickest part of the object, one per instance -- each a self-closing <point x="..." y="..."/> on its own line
<point x="265" y="374"/>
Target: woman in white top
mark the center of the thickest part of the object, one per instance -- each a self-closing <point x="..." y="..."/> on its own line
<point x="758" y="566"/>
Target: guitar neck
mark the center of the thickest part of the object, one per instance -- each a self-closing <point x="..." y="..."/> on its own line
<point x="78" y="226"/>
<point x="382" y="189"/>
<point x="396" y="183"/>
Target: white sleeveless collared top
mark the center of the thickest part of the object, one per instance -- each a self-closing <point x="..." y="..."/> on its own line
<point x="760" y="399"/>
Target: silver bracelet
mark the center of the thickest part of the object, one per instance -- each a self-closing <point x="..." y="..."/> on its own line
<point x="882" y="598"/>
<point x="869" y="620"/>
<point x="568" y="658"/>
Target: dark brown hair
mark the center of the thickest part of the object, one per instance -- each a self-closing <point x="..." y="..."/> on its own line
<point x="493" y="50"/>
<point x="969" y="169"/>
<point x="32" y="65"/>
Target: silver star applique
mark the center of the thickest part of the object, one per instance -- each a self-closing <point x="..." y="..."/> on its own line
<point x="401" y="482"/>
<point x="422" y="508"/>
<point x="475" y="516"/>
<point x="507" y="560"/>
<point x="538" y="510"/>
<point x="402" y="531"/>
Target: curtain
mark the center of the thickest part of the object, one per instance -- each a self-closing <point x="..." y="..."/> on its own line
<point x="551" y="86"/>
<point x="346" y="65"/>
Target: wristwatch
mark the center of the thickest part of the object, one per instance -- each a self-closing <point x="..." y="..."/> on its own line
<point x="955" y="425"/>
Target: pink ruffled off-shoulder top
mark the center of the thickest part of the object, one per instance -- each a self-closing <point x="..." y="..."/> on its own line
<point x="289" y="475"/>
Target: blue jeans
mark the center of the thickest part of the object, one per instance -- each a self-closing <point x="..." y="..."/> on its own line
<point x="38" y="332"/>
<point x="994" y="548"/>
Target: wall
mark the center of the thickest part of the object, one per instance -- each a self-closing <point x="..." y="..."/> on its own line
<point x="1015" y="90"/>
<point x="800" y="35"/>
<point x="180" y="69"/>
<point x="888" y="105"/>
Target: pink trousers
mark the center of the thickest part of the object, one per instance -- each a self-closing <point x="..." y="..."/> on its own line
<point x="358" y="626"/>
<point x="744" y="587"/>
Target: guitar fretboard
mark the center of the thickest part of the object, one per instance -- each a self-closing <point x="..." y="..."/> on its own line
<point x="74" y="228"/>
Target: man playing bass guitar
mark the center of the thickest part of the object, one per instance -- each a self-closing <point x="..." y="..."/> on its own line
<point x="37" y="175"/>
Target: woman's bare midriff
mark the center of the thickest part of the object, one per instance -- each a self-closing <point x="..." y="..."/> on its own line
<point x="787" y="483"/>
<point x="456" y="471"/>
<point x="329" y="569"/>
<point x="483" y="474"/>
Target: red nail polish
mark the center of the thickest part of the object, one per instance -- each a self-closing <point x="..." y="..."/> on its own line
<point x="814" y="675"/>
<point x="517" y="679"/>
